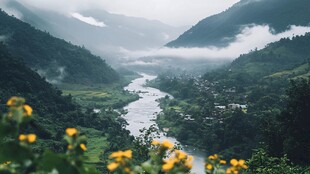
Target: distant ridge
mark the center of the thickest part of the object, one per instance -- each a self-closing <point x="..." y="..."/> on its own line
<point x="55" y="59"/>
<point x="221" y="29"/>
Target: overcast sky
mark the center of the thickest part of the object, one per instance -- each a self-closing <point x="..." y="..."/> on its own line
<point x="173" y="12"/>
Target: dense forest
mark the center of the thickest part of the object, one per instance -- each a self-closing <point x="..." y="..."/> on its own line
<point x="261" y="100"/>
<point x="53" y="113"/>
<point x="53" y="58"/>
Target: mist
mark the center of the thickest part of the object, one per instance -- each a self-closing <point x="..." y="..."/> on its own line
<point x="252" y="37"/>
<point x="54" y="75"/>
<point x="173" y="12"/>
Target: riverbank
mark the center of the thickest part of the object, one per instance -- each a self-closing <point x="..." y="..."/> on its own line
<point x="105" y="100"/>
<point x="143" y="112"/>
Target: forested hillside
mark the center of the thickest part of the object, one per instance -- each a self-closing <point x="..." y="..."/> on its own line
<point x="53" y="113"/>
<point x="221" y="29"/>
<point x="260" y="101"/>
<point x="53" y="58"/>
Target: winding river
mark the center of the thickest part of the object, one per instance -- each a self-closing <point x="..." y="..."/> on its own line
<point x="142" y="113"/>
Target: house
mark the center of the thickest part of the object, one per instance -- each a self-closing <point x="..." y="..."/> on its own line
<point x="220" y="107"/>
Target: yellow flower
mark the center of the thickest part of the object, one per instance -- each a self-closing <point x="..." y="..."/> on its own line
<point x="83" y="147"/>
<point x="168" y="165"/>
<point x="22" y="137"/>
<point x="189" y="165"/>
<point x="127" y="154"/>
<point x="167" y="144"/>
<point x="222" y="162"/>
<point x="127" y="170"/>
<point x="12" y="101"/>
<point x="116" y="154"/>
<point x="154" y="142"/>
<point x="71" y="131"/>
<point x="189" y="159"/>
<point x="233" y="162"/>
<point x="31" y="138"/>
<point x="180" y="154"/>
<point x="211" y="157"/>
<point x="28" y="110"/>
<point x="209" y="166"/>
<point x="70" y="147"/>
<point x="112" y="166"/>
<point x="232" y="170"/>
<point x="241" y="162"/>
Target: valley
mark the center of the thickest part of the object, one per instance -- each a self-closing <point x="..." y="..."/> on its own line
<point x="93" y="87"/>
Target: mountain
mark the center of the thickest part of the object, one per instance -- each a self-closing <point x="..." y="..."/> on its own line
<point x="110" y="35"/>
<point x="53" y="112"/>
<point x="53" y="58"/>
<point x="287" y="58"/>
<point x="221" y="29"/>
<point x="19" y="11"/>
<point x="49" y="106"/>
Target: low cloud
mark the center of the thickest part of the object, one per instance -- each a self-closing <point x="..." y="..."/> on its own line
<point x="53" y="76"/>
<point x="88" y="20"/>
<point x="251" y="37"/>
<point x="10" y="11"/>
<point x="173" y="12"/>
<point x="3" y="38"/>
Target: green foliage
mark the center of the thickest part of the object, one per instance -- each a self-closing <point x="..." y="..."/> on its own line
<point x="17" y="155"/>
<point x="54" y="112"/>
<point x="55" y="59"/>
<point x="259" y="80"/>
<point x="294" y="121"/>
<point x="262" y="163"/>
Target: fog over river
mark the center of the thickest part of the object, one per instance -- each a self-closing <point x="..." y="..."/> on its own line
<point x="142" y="113"/>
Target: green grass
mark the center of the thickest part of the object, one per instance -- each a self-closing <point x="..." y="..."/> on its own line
<point x="299" y="71"/>
<point x="100" y="96"/>
<point x="96" y="143"/>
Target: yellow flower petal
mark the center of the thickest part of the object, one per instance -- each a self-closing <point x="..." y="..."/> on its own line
<point x="154" y="142"/>
<point x="28" y="110"/>
<point x="22" y="137"/>
<point x="189" y="165"/>
<point x="127" y="170"/>
<point x="222" y="162"/>
<point x="127" y="154"/>
<point x="70" y="147"/>
<point x="180" y="154"/>
<point x="83" y="147"/>
<point x="112" y="166"/>
<point x="211" y="157"/>
<point x="31" y="138"/>
<point x="71" y="131"/>
<point x="116" y="154"/>
<point x="168" y="165"/>
<point x="189" y="159"/>
<point x="234" y="162"/>
<point x="11" y="101"/>
<point x="241" y="162"/>
<point x="209" y="166"/>
<point x="216" y="156"/>
<point x="167" y="144"/>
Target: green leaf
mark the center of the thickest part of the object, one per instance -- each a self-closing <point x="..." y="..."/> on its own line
<point x="51" y="161"/>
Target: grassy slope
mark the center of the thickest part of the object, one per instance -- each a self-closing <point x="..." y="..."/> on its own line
<point x="101" y="96"/>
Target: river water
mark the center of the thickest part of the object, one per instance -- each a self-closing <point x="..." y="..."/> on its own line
<point x="142" y="113"/>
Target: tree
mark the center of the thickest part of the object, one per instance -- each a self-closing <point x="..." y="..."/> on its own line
<point x="295" y="121"/>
